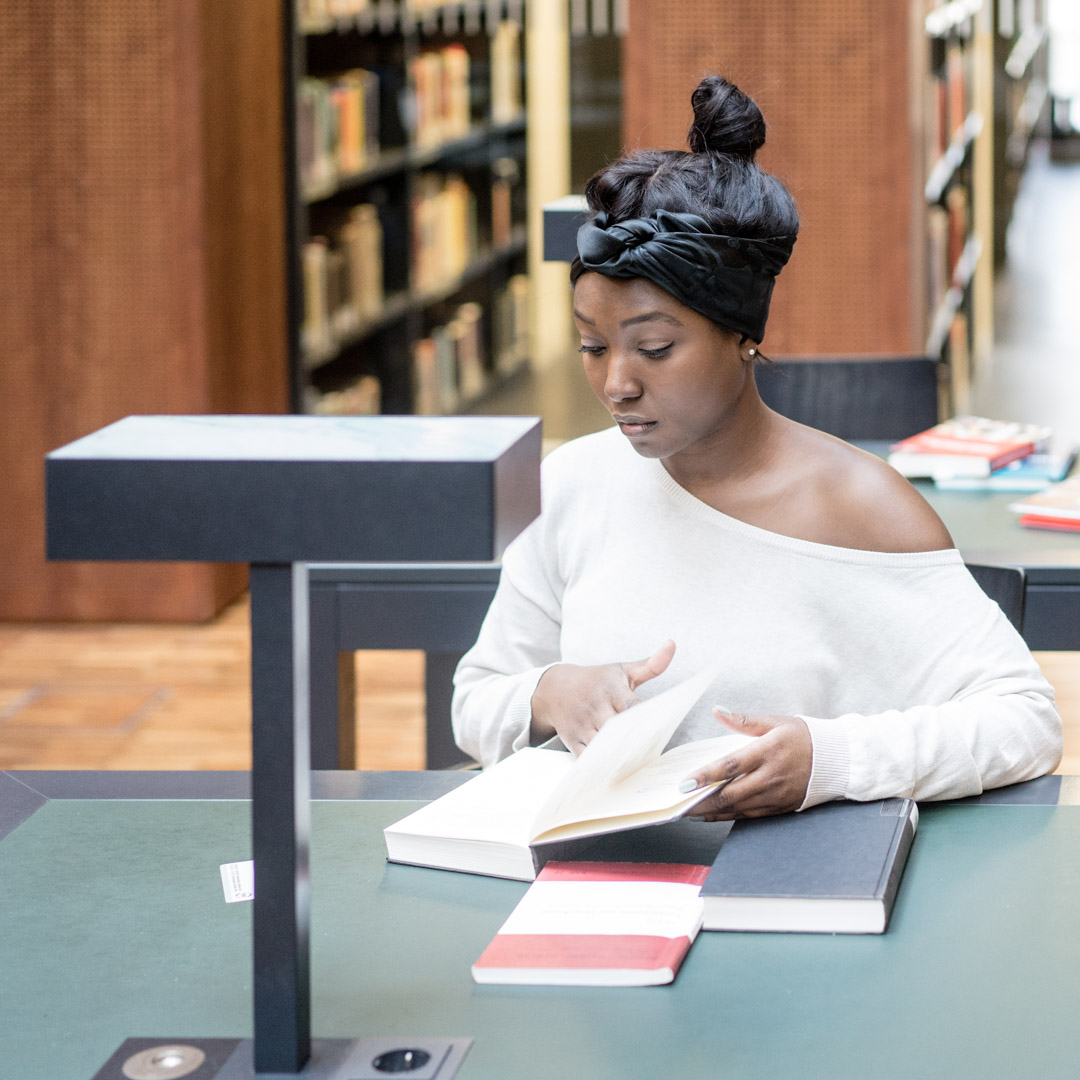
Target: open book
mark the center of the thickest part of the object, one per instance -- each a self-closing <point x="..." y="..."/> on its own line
<point x="536" y="804"/>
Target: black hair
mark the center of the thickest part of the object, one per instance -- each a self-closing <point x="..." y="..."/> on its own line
<point x="717" y="179"/>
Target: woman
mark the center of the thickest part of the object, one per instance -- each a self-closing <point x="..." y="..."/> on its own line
<point x="851" y="638"/>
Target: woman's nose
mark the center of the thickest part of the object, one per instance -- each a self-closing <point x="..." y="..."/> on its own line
<point x="621" y="382"/>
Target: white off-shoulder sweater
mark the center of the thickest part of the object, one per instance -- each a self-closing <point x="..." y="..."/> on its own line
<point x="910" y="679"/>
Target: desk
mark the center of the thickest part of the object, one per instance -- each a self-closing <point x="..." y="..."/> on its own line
<point x="114" y="925"/>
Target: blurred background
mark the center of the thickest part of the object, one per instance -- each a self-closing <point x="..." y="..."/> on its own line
<point x="334" y="207"/>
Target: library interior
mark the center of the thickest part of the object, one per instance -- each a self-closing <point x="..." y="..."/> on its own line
<point x="337" y="212"/>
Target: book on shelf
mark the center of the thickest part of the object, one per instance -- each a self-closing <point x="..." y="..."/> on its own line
<point x="444" y="238"/>
<point x="440" y="94"/>
<point x="510" y="329"/>
<point x="342" y="281"/>
<point x="966" y="446"/>
<point x="1035" y="472"/>
<point x="956" y="80"/>
<point x="449" y="365"/>
<point x="361" y="398"/>
<point x="506" y="102"/>
<point x="598" y="924"/>
<point x="832" y="869"/>
<point x="337" y="124"/>
<point x="1057" y="506"/>
<point x="538" y="804"/>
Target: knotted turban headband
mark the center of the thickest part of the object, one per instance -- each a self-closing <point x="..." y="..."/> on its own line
<point x="728" y="279"/>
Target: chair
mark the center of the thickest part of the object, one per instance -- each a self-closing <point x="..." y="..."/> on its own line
<point x="1006" y="585"/>
<point x="852" y="398"/>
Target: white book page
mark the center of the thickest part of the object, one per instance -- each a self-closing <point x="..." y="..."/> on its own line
<point x="499" y="804"/>
<point x="655" y="787"/>
<point x="622" y="746"/>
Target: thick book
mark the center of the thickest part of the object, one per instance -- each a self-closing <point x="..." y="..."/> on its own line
<point x="966" y="446"/>
<point x="598" y="924"/>
<point x="1036" y="472"/>
<point x="1059" y="503"/>
<point x="526" y="809"/>
<point x="832" y="869"/>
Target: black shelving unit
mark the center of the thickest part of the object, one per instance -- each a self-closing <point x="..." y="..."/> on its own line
<point x="386" y="39"/>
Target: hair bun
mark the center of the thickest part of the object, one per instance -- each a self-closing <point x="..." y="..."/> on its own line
<point x="726" y="121"/>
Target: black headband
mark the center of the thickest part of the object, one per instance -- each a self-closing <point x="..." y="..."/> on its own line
<point x="728" y="279"/>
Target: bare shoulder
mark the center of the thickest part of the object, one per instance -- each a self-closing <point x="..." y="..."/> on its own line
<point x="868" y="504"/>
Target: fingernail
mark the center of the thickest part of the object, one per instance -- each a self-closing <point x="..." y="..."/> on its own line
<point x="722" y="709"/>
<point x="689" y="785"/>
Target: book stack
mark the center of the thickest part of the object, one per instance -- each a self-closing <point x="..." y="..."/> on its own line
<point x="449" y="365"/>
<point x="506" y="104"/>
<point x="1057" y="507"/>
<point x="337" y="128"/>
<point x="444" y="237"/>
<point x="440" y="86"/>
<point x="343" y="282"/>
<point x="510" y="325"/>
<point x="967" y="447"/>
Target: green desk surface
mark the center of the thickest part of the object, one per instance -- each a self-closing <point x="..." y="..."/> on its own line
<point x="114" y="925"/>
<point x="985" y="530"/>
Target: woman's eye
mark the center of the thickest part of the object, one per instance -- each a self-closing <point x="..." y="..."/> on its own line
<point x="655" y="354"/>
<point x="594" y="349"/>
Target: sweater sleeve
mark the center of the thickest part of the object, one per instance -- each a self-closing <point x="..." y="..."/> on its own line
<point x="518" y="641"/>
<point x="987" y="717"/>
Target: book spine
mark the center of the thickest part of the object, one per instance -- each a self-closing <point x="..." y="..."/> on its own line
<point x="898" y="856"/>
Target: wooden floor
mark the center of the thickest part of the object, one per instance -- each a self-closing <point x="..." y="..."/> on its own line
<point x="176" y="697"/>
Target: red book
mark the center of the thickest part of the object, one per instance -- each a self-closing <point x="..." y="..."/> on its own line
<point x="966" y="446"/>
<point x="1057" y="506"/>
<point x="598" y="924"/>
<point x="1034" y="521"/>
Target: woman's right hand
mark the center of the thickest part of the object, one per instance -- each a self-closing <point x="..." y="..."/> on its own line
<point x="574" y="702"/>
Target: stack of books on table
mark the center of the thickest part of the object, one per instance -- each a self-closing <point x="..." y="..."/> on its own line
<point x="974" y="452"/>
<point x="1057" y="507"/>
<point x="622" y="882"/>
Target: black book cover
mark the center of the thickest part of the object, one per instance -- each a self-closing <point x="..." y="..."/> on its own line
<point x="838" y="864"/>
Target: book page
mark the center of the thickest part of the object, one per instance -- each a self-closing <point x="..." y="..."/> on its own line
<point x="626" y="742"/>
<point x="498" y="804"/>
<point x="653" y="788"/>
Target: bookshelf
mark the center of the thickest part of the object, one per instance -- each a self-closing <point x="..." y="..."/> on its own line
<point x="1020" y="100"/>
<point x="406" y="204"/>
<point x="955" y="243"/>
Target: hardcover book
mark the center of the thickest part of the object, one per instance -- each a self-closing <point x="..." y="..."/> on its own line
<point x="1036" y="472"/>
<point x="598" y="924"/>
<point x="537" y="804"/>
<point x="966" y="446"/>
<point x="832" y="869"/>
<point x="1059" y="503"/>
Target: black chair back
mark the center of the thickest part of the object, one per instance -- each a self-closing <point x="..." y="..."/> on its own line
<point x="1005" y="584"/>
<point x="851" y="398"/>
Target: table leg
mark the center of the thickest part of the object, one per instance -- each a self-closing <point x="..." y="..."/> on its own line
<point x="280" y="815"/>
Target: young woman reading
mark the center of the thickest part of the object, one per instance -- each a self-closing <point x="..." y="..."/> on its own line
<point x="851" y="638"/>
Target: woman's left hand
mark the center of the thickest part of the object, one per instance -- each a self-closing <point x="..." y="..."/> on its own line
<point x="768" y="776"/>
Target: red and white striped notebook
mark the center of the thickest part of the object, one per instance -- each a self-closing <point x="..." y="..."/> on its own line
<point x="598" y="924"/>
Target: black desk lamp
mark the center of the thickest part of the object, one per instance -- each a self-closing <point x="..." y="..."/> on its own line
<point x="278" y="493"/>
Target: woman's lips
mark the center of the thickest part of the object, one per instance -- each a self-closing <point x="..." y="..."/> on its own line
<point x="632" y="425"/>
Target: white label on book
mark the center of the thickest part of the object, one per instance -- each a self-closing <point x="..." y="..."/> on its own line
<point x="238" y="881"/>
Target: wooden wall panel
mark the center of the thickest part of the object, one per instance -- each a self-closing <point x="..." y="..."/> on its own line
<point x="124" y="285"/>
<point x="832" y="79"/>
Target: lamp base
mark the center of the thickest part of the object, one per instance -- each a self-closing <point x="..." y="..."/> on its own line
<point x="331" y="1059"/>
